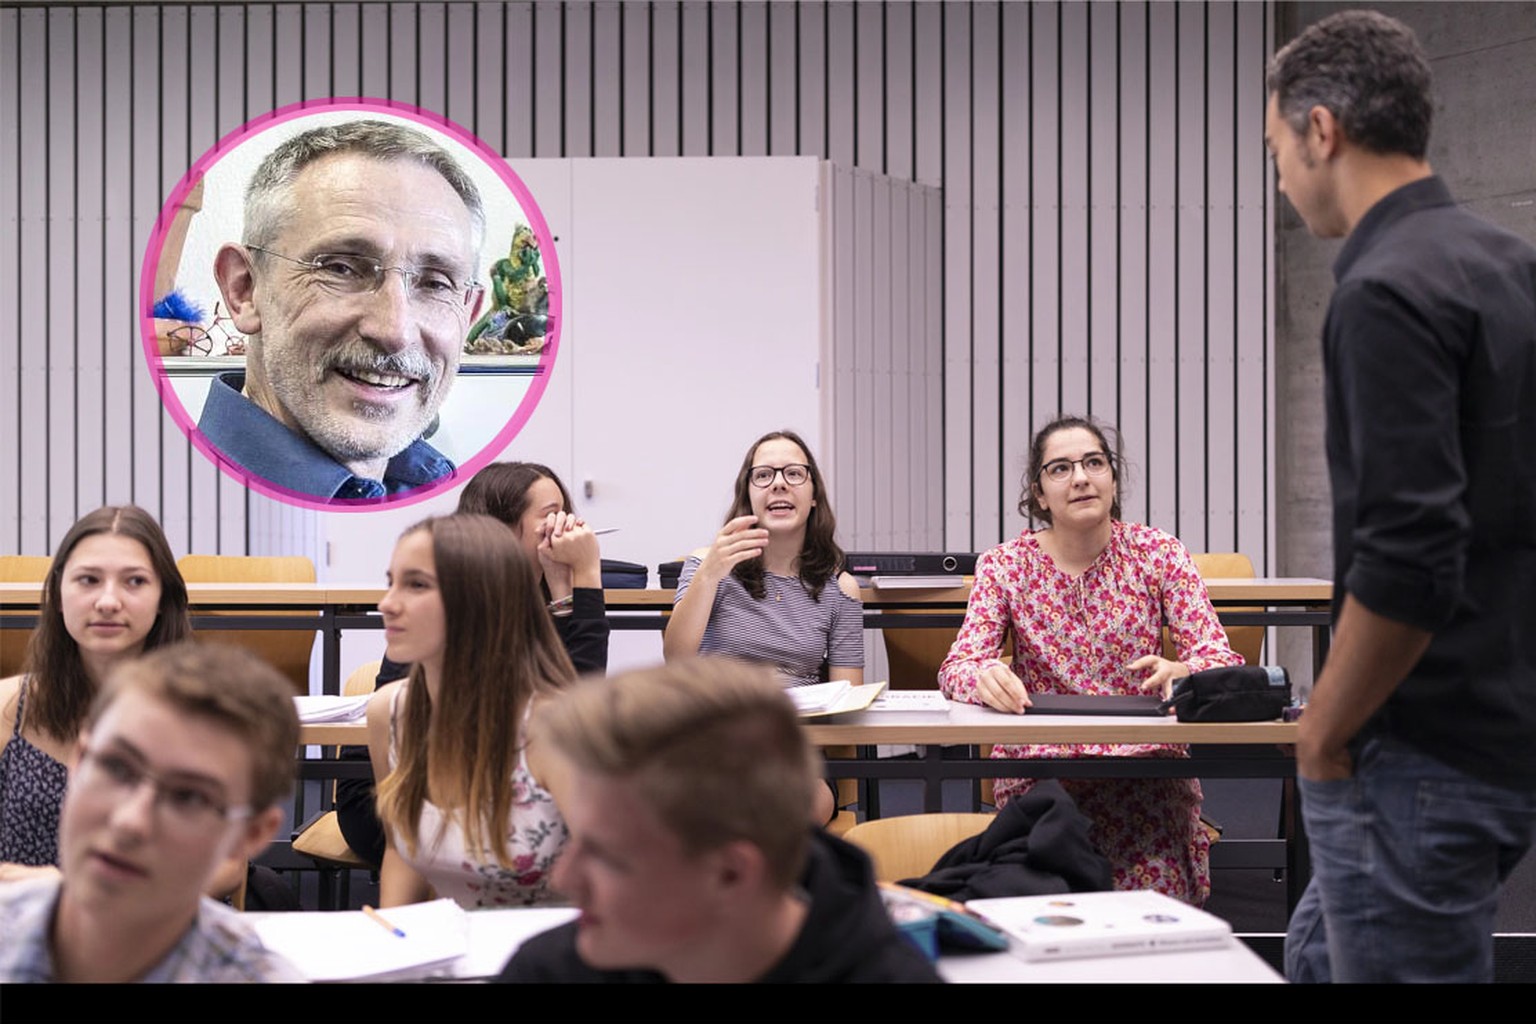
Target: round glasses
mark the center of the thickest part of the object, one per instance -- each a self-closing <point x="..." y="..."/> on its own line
<point x="353" y="274"/>
<point x="794" y="474"/>
<point x="189" y="804"/>
<point x="1060" y="470"/>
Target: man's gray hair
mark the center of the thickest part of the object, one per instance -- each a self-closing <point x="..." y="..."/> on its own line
<point x="269" y="196"/>
<point x="1368" y="70"/>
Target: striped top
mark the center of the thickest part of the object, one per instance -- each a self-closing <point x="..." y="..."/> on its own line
<point x="788" y="629"/>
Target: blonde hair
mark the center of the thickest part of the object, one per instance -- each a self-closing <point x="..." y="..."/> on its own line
<point x="713" y="746"/>
<point x="228" y="686"/>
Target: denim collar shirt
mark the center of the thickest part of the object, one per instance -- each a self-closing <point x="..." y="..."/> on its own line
<point x="258" y="443"/>
<point x="219" y="947"/>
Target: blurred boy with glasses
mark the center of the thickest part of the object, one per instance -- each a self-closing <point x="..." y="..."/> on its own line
<point x="181" y="765"/>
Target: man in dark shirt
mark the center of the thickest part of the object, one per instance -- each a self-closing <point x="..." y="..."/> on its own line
<point x="1417" y="753"/>
<point x="687" y="790"/>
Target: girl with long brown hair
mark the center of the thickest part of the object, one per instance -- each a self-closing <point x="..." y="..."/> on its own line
<point x="459" y="789"/>
<point x="771" y="587"/>
<point x="112" y="592"/>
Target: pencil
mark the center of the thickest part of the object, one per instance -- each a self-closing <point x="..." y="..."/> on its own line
<point x="374" y="915"/>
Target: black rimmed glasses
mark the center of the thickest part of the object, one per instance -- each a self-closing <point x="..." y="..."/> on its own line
<point x="1060" y="470"/>
<point x="354" y="274"/>
<point x="189" y="804"/>
<point x="794" y="474"/>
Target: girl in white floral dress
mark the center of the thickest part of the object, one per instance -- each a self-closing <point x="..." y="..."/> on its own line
<point x="462" y="795"/>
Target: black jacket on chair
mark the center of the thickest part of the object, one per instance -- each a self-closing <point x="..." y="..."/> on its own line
<point x="1037" y="846"/>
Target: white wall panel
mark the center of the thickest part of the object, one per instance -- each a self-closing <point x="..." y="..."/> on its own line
<point x="1099" y="242"/>
<point x="579" y="115"/>
<point x="959" y="229"/>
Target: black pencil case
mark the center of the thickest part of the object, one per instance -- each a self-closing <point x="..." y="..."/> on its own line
<point x="1237" y="693"/>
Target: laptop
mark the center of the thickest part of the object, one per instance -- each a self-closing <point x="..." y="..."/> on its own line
<point x="1092" y="924"/>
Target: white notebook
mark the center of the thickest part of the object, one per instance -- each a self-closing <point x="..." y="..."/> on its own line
<point x="1091" y="924"/>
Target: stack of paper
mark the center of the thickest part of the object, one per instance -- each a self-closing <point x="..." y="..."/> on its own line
<point x="818" y="698"/>
<point x="349" y="946"/>
<point x="315" y="710"/>
<point x="834" y="698"/>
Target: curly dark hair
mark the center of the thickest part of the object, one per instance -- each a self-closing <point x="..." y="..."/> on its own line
<point x="820" y="557"/>
<point x="1368" y="70"/>
<point x="1029" y="492"/>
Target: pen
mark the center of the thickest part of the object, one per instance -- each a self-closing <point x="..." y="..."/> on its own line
<point x="606" y="529"/>
<point x="374" y="915"/>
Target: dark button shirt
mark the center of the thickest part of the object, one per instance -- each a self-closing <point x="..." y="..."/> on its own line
<point x="258" y="443"/>
<point x="1430" y="355"/>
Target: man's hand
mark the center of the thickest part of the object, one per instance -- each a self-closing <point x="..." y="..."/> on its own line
<point x="1319" y="761"/>
<point x="1369" y="657"/>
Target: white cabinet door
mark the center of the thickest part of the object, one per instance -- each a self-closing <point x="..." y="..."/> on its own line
<point x="697" y="308"/>
<point x="691" y="324"/>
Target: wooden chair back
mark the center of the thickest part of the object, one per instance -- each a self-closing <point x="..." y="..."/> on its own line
<point x="13" y="642"/>
<point x="288" y="650"/>
<point x="1245" y="640"/>
<point x="907" y="846"/>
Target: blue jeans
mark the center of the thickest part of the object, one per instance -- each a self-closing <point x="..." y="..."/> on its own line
<point x="1407" y="859"/>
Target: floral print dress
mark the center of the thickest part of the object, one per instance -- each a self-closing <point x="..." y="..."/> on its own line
<point x="1078" y="634"/>
<point x="537" y="834"/>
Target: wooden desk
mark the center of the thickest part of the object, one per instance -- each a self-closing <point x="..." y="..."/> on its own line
<point x="340" y="606"/>
<point x="968" y="724"/>
<point x="947" y="741"/>
<point x="494" y="935"/>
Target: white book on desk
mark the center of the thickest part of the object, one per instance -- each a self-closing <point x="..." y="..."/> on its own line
<point x="911" y="700"/>
<point x="1094" y="924"/>
<point x="347" y="945"/>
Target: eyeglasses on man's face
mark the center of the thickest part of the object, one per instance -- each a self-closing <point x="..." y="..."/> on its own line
<point x="189" y="805"/>
<point x="354" y="274"/>
<point x="1060" y="470"/>
<point x="794" y="474"/>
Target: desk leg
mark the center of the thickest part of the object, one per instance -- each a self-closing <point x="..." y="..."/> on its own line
<point x="1298" y="856"/>
<point x="933" y="778"/>
<point x="330" y="652"/>
<point x="1322" y="636"/>
<point x="869" y="789"/>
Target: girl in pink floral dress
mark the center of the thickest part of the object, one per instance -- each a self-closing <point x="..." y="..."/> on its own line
<point x="1085" y="600"/>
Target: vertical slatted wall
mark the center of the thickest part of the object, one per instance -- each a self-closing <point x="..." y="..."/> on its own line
<point x="1103" y="236"/>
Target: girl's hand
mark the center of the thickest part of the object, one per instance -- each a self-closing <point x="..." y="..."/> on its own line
<point x="1161" y="673"/>
<point x="1000" y="687"/>
<point x="737" y="541"/>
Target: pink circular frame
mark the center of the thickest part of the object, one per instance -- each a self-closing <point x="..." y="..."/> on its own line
<point x="432" y="122"/>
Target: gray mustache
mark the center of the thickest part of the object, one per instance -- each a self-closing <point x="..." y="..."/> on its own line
<point x="362" y="356"/>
